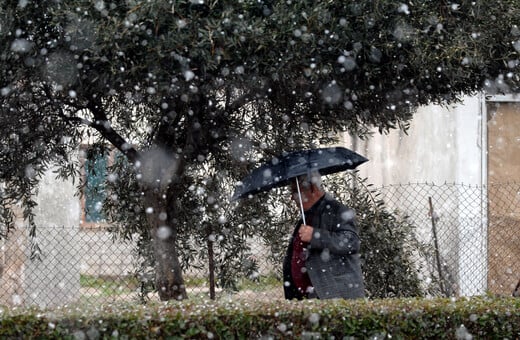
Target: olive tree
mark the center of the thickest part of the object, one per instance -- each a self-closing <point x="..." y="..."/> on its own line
<point x="183" y="86"/>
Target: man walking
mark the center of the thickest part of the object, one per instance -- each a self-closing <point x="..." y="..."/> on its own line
<point x="322" y="259"/>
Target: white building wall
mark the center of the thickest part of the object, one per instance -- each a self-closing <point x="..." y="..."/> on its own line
<point x="57" y="219"/>
<point x="68" y="251"/>
<point x="443" y="145"/>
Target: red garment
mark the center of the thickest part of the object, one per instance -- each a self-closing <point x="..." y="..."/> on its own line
<point x="298" y="271"/>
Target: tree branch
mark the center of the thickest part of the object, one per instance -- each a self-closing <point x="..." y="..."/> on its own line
<point x="103" y="126"/>
<point x="239" y="102"/>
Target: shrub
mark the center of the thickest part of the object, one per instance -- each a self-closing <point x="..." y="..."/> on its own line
<point x="482" y="317"/>
<point x="388" y="243"/>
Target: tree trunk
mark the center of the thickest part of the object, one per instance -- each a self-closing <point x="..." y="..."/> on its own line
<point x="168" y="273"/>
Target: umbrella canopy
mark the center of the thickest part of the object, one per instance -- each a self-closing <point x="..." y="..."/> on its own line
<point x="279" y="171"/>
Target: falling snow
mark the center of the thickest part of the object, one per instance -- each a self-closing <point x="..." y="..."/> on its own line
<point x="194" y="97"/>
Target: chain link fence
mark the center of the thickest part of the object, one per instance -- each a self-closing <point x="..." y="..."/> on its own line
<point x="473" y="230"/>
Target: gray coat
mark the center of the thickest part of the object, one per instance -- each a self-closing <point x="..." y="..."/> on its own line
<point x="332" y="258"/>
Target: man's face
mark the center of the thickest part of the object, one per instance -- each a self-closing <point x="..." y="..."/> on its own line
<point x="304" y="190"/>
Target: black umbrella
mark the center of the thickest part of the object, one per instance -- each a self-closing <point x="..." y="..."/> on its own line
<point x="279" y="171"/>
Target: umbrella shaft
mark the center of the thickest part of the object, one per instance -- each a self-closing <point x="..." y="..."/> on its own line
<point x="300" y="200"/>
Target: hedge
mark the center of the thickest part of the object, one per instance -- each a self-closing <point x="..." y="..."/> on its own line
<point x="463" y="318"/>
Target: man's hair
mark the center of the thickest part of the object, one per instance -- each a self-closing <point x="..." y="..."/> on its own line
<point x="314" y="177"/>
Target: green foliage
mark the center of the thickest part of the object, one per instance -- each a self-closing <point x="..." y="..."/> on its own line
<point x="205" y="218"/>
<point x="483" y="318"/>
<point x="389" y="249"/>
<point x="388" y="241"/>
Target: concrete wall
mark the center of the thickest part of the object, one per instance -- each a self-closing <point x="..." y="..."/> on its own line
<point x="13" y="267"/>
<point x="26" y="281"/>
<point x="57" y="218"/>
<point x="504" y="200"/>
<point x="102" y="256"/>
<point x="67" y="251"/>
<point x="443" y="145"/>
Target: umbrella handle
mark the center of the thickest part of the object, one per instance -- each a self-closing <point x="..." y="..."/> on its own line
<point x="300" y="200"/>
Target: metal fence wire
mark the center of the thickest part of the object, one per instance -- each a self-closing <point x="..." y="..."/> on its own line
<point x="474" y="231"/>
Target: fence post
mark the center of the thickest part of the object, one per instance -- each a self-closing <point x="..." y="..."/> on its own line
<point x="211" y="263"/>
<point x="436" y="246"/>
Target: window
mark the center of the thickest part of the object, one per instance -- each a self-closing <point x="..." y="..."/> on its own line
<point x="95" y="162"/>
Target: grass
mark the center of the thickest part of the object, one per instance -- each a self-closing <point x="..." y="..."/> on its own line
<point x="99" y="289"/>
<point x="109" y="286"/>
<point x="263" y="282"/>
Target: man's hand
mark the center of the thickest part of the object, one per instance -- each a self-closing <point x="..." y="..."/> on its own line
<point x="305" y="232"/>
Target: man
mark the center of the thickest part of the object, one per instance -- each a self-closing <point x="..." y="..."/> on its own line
<point x="322" y="259"/>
